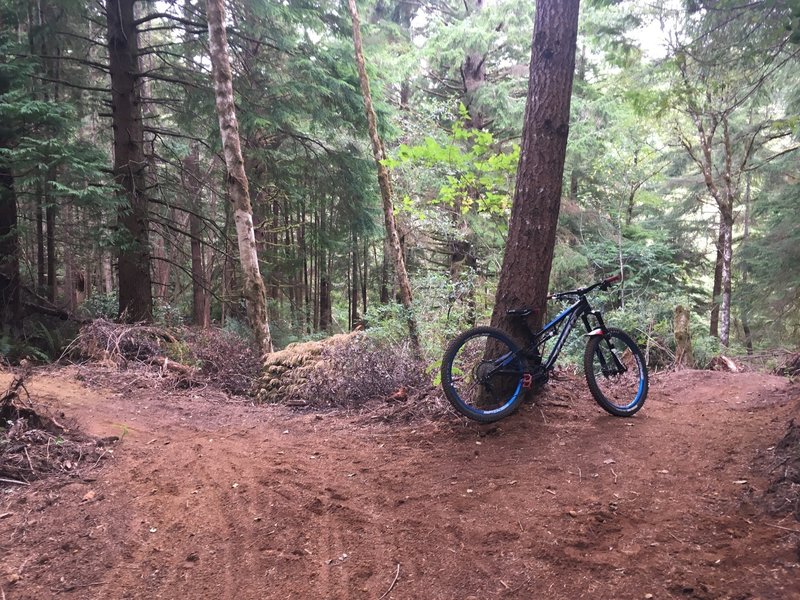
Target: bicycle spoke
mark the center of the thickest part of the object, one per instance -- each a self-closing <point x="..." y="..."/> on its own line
<point x="482" y="374"/>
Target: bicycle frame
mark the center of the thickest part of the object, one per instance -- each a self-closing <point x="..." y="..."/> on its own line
<point x="569" y="316"/>
<point x="485" y="371"/>
<point x="579" y="309"/>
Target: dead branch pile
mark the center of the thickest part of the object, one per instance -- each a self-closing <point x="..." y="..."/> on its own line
<point x="224" y="359"/>
<point x="790" y="366"/>
<point x="344" y="371"/>
<point x="783" y="494"/>
<point x="178" y="357"/>
<point x="34" y="445"/>
<point x="122" y="344"/>
<point x="103" y="340"/>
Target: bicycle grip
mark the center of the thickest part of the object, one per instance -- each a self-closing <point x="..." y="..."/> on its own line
<point x="613" y="279"/>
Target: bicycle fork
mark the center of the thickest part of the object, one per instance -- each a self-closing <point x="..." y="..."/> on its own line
<point x="618" y="366"/>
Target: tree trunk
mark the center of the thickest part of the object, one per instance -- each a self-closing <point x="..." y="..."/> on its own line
<point x="726" y="230"/>
<point x="238" y="191"/>
<point x="717" y="289"/>
<point x="41" y="273"/>
<point x="9" y="243"/>
<point x="384" y="293"/>
<point x="50" y="233"/>
<point x="384" y="182"/>
<point x="323" y="268"/>
<point x="684" y="357"/>
<point x="107" y="272"/>
<point x="525" y="273"/>
<point x="354" y="283"/>
<point x="364" y="278"/>
<point x="135" y="294"/>
<point x="201" y="305"/>
<point x="748" y="335"/>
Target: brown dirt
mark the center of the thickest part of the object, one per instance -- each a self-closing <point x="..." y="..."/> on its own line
<point x="212" y="499"/>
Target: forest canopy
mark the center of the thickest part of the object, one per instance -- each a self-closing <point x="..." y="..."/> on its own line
<point x="682" y="168"/>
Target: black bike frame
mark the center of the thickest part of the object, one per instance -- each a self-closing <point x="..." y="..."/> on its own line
<point x="568" y="317"/>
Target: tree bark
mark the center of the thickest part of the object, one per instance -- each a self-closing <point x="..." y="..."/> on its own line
<point x="253" y="290"/>
<point x="107" y="272"/>
<point x="201" y="305"/>
<point x="726" y="226"/>
<point x="52" y="278"/>
<point x="528" y="257"/>
<point x="135" y="293"/>
<point x="717" y="287"/>
<point x="684" y="357"/>
<point x="354" y="283"/>
<point x="384" y="182"/>
<point x="41" y="281"/>
<point x="9" y="245"/>
<point x="748" y="335"/>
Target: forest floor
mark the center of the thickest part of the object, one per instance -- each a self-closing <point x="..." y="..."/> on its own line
<point x="210" y="498"/>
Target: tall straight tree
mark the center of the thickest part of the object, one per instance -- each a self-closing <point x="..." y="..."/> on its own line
<point x="525" y="273"/>
<point x="9" y="238"/>
<point x="135" y="294"/>
<point x="723" y="94"/>
<point x="254" y="291"/>
<point x="384" y="181"/>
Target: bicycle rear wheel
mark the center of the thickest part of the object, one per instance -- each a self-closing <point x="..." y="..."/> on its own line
<point x="616" y="372"/>
<point x="482" y="373"/>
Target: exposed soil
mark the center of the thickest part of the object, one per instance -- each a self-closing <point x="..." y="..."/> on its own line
<point x="207" y="498"/>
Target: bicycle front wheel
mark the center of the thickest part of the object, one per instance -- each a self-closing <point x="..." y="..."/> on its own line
<point x="482" y="373"/>
<point x="616" y="372"/>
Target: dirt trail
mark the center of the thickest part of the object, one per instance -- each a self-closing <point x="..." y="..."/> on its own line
<point x="205" y="499"/>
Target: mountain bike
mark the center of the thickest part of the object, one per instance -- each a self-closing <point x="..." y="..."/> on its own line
<point x="485" y="374"/>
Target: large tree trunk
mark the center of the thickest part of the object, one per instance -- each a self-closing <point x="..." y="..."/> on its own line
<point x="384" y="182"/>
<point x="525" y="273"/>
<point x="135" y="293"/>
<point x="238" y="191"/>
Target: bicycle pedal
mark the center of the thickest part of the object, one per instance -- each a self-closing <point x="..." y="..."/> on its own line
<point x="534" y="378"/>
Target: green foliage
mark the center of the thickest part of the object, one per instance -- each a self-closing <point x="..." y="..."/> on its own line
<point x="101" y="306"/>
<point x="477" y="171"/>
<point x="633" y="198"/>
<point x="43" y="340"/>
<point x="237" y="328"/>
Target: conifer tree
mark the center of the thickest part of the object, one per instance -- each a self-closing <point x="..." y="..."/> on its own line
<point x="253" y="288"/>
<point x="525" y="273"/>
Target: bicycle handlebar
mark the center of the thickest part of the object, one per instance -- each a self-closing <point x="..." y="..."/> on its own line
<point x="603" y="285"/>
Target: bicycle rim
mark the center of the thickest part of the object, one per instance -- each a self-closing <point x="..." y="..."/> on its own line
<point x="619" y="380"/>
<point x="483" y="378"/>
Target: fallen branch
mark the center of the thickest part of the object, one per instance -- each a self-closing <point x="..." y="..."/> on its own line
<point x="391" y="587"/>
<point x="14" y="481"/>
<point x="782" y="528"/>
